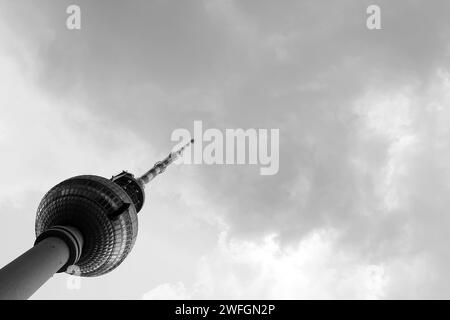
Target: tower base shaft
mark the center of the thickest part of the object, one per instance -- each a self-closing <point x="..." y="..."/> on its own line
<point x="23" y="276"/>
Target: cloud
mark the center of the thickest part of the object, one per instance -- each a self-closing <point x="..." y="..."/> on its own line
<point x="312" y="269"/>
<point x="219" y="62"/>
<point x="391" y="245"/>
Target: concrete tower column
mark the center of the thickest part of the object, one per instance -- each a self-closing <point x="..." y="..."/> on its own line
<point x="54" y="251"/>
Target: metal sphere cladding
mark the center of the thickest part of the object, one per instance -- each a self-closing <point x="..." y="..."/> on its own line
<point x="104" y="211"/>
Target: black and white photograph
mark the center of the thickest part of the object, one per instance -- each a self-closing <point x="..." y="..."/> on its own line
<point x="232" y="150"/>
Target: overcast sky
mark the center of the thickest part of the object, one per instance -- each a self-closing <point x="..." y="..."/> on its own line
<point x="359" y="207"/>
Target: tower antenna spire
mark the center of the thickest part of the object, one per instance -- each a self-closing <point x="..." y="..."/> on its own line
<point x="161" y="166"/>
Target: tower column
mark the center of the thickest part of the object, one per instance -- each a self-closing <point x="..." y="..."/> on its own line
<point x="52" y="252"/>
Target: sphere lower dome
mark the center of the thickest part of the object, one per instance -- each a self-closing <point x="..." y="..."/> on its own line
<point x="102" y="211"/>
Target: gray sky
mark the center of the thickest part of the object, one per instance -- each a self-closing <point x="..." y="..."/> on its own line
<point x="359" y="206"/>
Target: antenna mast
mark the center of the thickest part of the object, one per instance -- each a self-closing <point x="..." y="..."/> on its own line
<point x="161" y="166"/>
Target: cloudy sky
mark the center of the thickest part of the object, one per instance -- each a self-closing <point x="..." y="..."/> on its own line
<point x="359" y="207"/>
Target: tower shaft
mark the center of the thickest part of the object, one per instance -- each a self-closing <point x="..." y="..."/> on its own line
<point x="23" y="276"/>
<point x="52" y="252"/>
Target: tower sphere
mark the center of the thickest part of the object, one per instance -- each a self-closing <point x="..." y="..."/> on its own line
<point x="105" y="213"/>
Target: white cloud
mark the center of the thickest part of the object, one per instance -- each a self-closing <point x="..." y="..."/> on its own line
<point x="390" y="117"/>
<point x="42" y="137"/>
<point x="314" y="268"/>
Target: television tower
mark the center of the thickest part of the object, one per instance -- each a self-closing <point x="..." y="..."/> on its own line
<point x="86" y="224"/>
